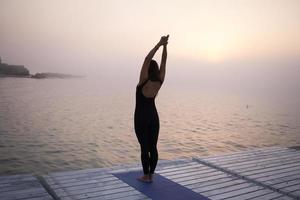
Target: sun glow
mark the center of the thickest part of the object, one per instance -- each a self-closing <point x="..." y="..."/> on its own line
<point x="214" y="47"/>
<point x="99" y="31"/>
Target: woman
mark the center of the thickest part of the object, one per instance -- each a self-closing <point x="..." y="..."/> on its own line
<point x="146" y="121"/>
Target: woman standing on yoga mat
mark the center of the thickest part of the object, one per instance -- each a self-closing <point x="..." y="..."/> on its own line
<point x="146" y="120"/>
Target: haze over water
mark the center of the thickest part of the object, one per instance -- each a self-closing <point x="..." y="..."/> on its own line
<point x="232" y="79"/>
<point x="53" y="124"/>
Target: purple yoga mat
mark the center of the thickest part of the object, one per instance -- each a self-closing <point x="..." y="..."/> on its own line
<point x="160" y="189"/>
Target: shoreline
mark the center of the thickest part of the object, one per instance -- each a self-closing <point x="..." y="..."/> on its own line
<point x="59" y="76"/>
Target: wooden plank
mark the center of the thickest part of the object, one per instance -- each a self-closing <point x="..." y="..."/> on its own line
<point x="193" y="180"/>
<point x="112" y="184"/>
<point x="254" y="152"/>
<point x="175" y="164"/>
<point x="283" y="198"/>
<point x="264" y="164"/>
<point x="296" y="193"/>
<point x="244" y="152"/>
<point x="235" y="193"/>
<point x="56" y="184"/>
<point x="82" y="185"/>
<point x="291" y="188"/>
<point x="287" y="184"/>
<point x="211" y="187"/>
<point x="179" y="168"/>
<point x="209" y="172"/>
<point x="78" y="176"/>
<point x="241" y="164"/>
<point x="66" y="192"/>
<point x="249" y="156"/>
<point x="258" y="158"/>
<point x="227" y="189"/>
<point x="39" y="198"/>
<point x="91" y="181"/>
<point x="22" y="187"/>
<point x="277" y="172"/>
<point x="271" y="161"/>
<point x="19" y="185"/>
<point x="176" y="167"/>
<point x="66" y="174"/>
<point x="266" y="170"/>
<point x="282" y="179"/>
<point x="267" y="196"/>
<point x="272" y="169"/>
<point x="15" y="178"/>
<point x="261" y="152"/>
<point x="193" y="174"/>
<point x="167" y="163"/>
<point x="121" y="196"/>
<point x="256" y="195"/>
<point x="192" y="170"/>
<point x="93" y="185"/>
<point x="120" y="192"/>
<point x="23" y="194"/>
<point x="81" y="178"/>
<point x="133" y="197"/>
<point x="25" y="191"/>
<point x="210" y="182"/>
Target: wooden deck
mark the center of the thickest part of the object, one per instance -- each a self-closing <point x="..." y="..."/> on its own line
<point x="22" y="187"/>
<point x="269" y="173"/>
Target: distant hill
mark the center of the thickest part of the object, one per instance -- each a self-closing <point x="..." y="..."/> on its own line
<point x="53" y="75"/>
<point x="13" y="70"/>
<point x="21" y="71"/>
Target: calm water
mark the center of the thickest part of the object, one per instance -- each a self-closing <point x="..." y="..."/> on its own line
<point x="53" y="124"/>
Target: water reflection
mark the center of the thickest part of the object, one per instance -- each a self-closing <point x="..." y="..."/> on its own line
<point x="58" y="125"/>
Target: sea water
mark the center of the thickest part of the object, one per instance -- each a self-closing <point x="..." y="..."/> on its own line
<point x="62" y="124"/>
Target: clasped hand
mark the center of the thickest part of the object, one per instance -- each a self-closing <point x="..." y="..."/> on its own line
<point x="163" y="40"/>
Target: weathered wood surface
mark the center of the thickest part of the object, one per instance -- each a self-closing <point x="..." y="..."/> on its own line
<point x="269" y="173"/>
<point x="277" y="169"/>
<point x="99" y="183"/>
<point x="23" y="187"/>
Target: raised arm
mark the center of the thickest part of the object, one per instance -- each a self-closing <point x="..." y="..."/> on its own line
<point x="162" y="69"/>
<point x="145" y="67"/>
<point x="148" y="58"/>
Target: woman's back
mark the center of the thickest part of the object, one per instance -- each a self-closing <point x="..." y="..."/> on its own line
<point x="145" y="96"/>
<point x="151" y="88"/>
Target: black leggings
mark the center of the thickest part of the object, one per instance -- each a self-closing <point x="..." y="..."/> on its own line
<point x="147" y="134"/>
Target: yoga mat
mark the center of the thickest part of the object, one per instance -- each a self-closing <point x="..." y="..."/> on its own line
<point x="160" y="189"/>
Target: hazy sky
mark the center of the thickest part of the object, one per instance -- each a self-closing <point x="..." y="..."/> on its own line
<point x="209" y="39"/>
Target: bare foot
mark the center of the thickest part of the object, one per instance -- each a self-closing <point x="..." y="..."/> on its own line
<point x="145" y="178"/>
<point x="151" y="176"/>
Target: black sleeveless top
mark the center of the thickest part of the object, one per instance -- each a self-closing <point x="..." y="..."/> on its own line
<point x="144" y="105"/>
